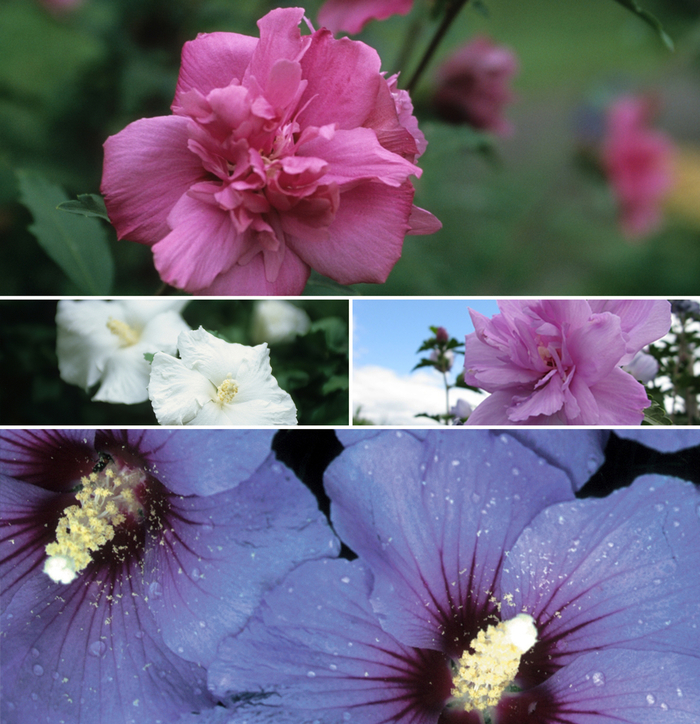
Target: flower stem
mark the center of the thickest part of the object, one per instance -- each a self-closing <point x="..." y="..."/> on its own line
<point x="447" y="398"/>
<point x="451" y="13"/>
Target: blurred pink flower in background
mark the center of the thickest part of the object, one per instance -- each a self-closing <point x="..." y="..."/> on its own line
<point x="553" y="362"/>
<point x="350" y="16"/>
<point x="473" y="86"/>
<point x="283" y="154"/>
<point x="638" y="161"/>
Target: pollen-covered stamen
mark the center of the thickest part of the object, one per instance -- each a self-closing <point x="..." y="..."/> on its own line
<point x="127" y="335"/>
<point x="106" y="500"/>
<point x="227" y="390"/>
<point x="481" y="677"/>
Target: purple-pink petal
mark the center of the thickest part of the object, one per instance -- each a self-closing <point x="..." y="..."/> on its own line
<point x="642" y="321"/>
<point x="212" y="61"/>
<point x="366" y="237"/>
<point x="202" y="244"/>
<point x="147" y="168"/>
<point x="350" y="16"/>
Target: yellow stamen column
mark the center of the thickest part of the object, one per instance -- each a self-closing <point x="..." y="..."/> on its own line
<point x="105" y="501"/>
<point x="481" y="677"/>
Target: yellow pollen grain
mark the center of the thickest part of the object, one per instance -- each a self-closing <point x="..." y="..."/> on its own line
<point x="127" y="335"/>
<point x="227" y="390"/>
<point x="481" y="677"/>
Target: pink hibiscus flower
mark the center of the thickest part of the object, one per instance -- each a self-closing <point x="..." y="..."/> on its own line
<point x="283" y="154"/>
<point x="473" y="86"/>
<point x="638" y="163"/>
<point x="554" y="362"/>
<point x="350" y="16"/>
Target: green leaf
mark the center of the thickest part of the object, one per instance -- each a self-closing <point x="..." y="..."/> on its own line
<point x="148" y="356"/>
<point x="655" y="415"/>
<point x="337" y="382"/>
<point x="86" y="205"/>
<point x="78" y="246"/>
<point x="649" y="19"/>
<point x="424" y="363"/>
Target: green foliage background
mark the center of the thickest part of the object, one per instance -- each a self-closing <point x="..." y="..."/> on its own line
<point x="531" y="222"/>
<point x="313" y="368"/>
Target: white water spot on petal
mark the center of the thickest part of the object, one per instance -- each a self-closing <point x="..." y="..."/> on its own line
<point x="155" y="589"/>
<point x="455" y="463"/>
<point x="346" y="716"/>
<point x="97" y="648"/>
<point x="651" y="700"/>
<point x="598" y="678"/>
<point x="515" y="471"/>
<point x="35" y="653"/>
<point x="345" y="579"/>
<point x="38" y="670"/>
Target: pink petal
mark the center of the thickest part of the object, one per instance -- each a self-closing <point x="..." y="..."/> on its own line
<point x="147" y="168"/>
<point x="279" y="38"/>
<point x="493" y="410"/>
<point x="351" y="16"/>
<point x="211" y="61"/>
<point x="366" y="236"/>
<point x="344" y="80"/>
<point x="397" y="133"/>
<point x="423" y="222"/>
<point x="249" y="280"/>
<point x="621" y="399"/>
<point x="546" y="400"/>
<point x="202" y="244"/>
<point x="643" y="321"/>
<point x="597" y="347"/>
<point x="355" y="155"/>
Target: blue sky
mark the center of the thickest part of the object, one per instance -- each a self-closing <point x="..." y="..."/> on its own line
<point x="388" y="332"/>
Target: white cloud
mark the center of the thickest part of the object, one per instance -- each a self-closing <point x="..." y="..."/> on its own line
<point x="386" y="398"/>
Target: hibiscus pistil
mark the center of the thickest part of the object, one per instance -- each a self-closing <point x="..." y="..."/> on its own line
<point x="107" y="499"/>
<point x="481" y="677"/>
<point x="126" y="334"/>
<point x="227" y="390"/>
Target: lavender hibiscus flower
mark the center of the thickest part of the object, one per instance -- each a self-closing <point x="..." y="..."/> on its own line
<point x="126" y="555"/>
<point x="553" y="362"/>
<point x="483" y="591"/>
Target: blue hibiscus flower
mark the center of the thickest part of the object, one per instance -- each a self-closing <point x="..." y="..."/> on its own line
<point x="483" y="591"/>
<point x="126" y="555"/>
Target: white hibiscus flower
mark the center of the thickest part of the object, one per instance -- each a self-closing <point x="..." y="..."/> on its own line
<point x="217" y="383"/>
<point x="104" y="342"/>
<point x="275" y="321"/>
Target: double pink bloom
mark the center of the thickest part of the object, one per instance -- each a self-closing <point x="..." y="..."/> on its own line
<point x="282" y="154"/>
<point x="473" y="86"/>
<point x="553" y="362"/>
<point x="638" y="163"/>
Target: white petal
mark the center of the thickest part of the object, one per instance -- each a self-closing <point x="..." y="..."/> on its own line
<point x="138" y="312"/>
<point x="160" y="333"/>
<point x="217" y="359"/>
<point x="212" y="414"/>
<point x="125" y="377"/>
<point x="83" y="342"/>
<point x="275" y="410"/>
<point x="275" y="321"/>
<point x="177" y="393"/>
